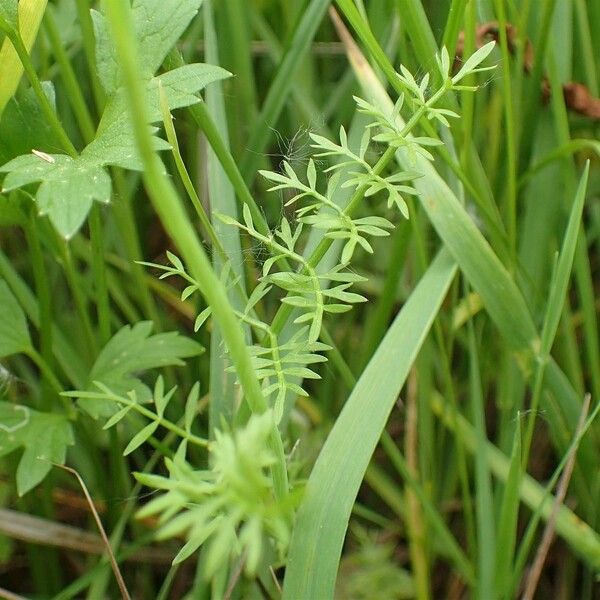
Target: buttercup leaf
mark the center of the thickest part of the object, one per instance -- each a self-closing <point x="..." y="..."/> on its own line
<point x="44" y="436"/>
<point x="68" y="186"/>
<point x="131" y="351"/>
<point x="158" y="25"/>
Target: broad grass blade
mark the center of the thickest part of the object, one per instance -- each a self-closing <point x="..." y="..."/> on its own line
<point x="331" y="490"/>
<point x="222" y="200"/>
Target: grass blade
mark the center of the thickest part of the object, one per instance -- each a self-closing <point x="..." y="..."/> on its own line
<point x="509" y="513"/>
<point x="486" y="544"/>
<point x="500" y="294"/>
<point x="542" y="551"/>
<point x="577" y="533"/>
<point x="31" y="13"/>
<point x="334" y="482"/>
<point x="222" y="200"/>
<point x="281" y="86"/>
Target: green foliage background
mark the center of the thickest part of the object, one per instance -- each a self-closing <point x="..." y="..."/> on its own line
<point x="327" y="292"/>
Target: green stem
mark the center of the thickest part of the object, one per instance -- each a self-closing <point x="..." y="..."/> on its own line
<point x="76" y="290"/>
<point x="126" y="224"/>
<point x="381" y="313"/>
<point x="45" y="105"/>
<point x="201" y="116"/>
<point x="203" y="119"/>
<point x="88" y="39"/>
<point x="31" y="13"/>
<point x="453" y="25"/>
<point x="175" y="220"/>
<point x="285" y="310"/>
<point x="187" y="180"/>
<point x="297" y="48"/>
<point x="182" y="433"/>
<point x="467" y="97"/>
<point x="44" y="367"/>
<point x="74" y="94"/>
<point x="42" y="290"/>
<point x="511" y="158"/>
<point x="532" y="89"/>
<point x="99" y="272"/>
<point x="338" y="361"/>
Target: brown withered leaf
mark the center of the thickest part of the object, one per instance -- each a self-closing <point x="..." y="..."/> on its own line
<point x="577" y="96"/>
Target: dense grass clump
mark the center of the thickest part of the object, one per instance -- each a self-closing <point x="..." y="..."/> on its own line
<point x="298" y="299"/>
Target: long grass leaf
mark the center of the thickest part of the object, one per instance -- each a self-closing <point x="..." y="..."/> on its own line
<point x="499" y="293"/>
<point x="334" y="482"/>
<point x="222" y="200"/>
<point x="31" y="13"/>
<point x="281" y="85"/>
<point x="577" y="533"/>
<point x="486" y="543"/>
<point x="174" y="218"/>
<point x="509" y="513"/>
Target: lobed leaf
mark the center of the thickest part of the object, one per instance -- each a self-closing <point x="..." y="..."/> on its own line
<point x="131" y="350"/>
<point x="68" y="186"/>
<point x="181" y="87"/>
<point x="157" y="26"/>
<point x="44" y="437"/>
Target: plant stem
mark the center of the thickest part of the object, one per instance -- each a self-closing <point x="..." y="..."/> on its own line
<point x="285" y="310"/>
<point x="88" y="38"/>
<point x="99" y="272"/>
<point x="30" y="13"/>
<point x="42" y="290"/>
<point x="173" y="216"/>
<point x="74" y="94"/>
<point x="17" y="42"/>
<point x="106" y="393"/>
<point x="57" y="387"/>
<point x="76" y="289"/>
<point x="511" y="153"/>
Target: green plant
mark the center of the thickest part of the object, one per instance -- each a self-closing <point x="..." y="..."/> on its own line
<point x="263" y="413"/>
